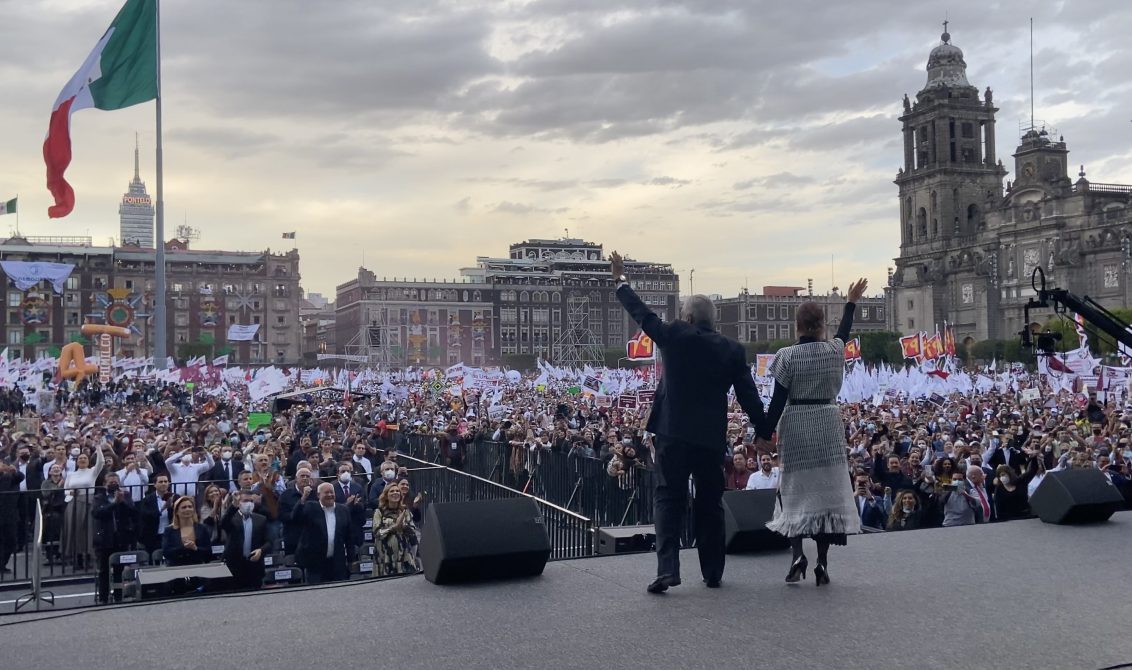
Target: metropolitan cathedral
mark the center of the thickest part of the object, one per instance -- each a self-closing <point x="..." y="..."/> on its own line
<point x="969" y="247"/>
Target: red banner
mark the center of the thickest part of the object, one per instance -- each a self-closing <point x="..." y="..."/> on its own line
<point x="640" y="348"/>
<point x="933" y="347"/>
<point x="853" y="349"/>
<point x="910" y="345"/>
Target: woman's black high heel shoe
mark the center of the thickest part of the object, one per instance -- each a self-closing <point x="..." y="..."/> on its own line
<point x="821" y="575"/>
<point x="797" y="570"/>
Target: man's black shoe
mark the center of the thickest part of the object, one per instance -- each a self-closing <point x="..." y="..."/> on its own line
<point x="712" y="583"/>
<point x="662" y="584"/>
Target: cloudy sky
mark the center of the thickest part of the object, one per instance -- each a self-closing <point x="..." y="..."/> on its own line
<point x="751" y="140"/>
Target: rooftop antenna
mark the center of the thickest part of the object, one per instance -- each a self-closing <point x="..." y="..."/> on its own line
<point x="1031" y="73"/>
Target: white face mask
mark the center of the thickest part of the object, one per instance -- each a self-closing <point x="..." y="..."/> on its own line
<point x="246" y="508"/>
<point x="226" y="455"/>
<point x="344" y="477"/>
<point x="75" y="451"/>
<point x="388" y="474"/>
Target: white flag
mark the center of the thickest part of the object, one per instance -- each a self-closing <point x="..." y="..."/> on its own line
<point x="220" y="360"/>
<point x="242" y="333"/>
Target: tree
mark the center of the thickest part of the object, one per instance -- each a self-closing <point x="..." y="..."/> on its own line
<point x="881" y="347"/>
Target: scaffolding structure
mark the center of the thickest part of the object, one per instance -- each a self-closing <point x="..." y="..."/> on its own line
<point x="370" y="348"/>
<point x="577" y="347"/>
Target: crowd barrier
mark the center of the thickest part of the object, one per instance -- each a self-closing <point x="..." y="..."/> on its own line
<point x="64" y="550"/>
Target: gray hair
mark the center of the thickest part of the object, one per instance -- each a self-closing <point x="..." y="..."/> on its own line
<point x="699" y="309"/>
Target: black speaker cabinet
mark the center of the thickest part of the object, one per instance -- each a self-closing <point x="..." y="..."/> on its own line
<point x="626" y="539"/>
<point x="488" y="539"/>
<point x="1075" y="496"/>
<point x="745" y="514"/>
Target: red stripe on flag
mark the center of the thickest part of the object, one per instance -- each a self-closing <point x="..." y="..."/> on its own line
<point x="57" y="155"/>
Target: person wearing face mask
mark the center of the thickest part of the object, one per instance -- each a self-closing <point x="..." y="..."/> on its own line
<point x="351" y="494"/>
<point x="115" y="528"/>
<point x="1010" y="500"/>
<point x="247" y="541"/>
<point x="388" y="472"/>
<point x="184" y="470"/>
<point x="79" y="484"/>
<point x="905" y="514"/>
<point x="226" y="471"/>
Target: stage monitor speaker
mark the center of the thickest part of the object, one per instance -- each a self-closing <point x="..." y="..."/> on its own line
<point x="1075" y="496"/>
<point x="487" y="539"/>
<point x="626" y="539"/>
<point x="745" y="514"/>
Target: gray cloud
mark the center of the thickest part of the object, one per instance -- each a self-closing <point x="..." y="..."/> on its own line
<point x="779" y="180"/>
<point x="522" y="209"/>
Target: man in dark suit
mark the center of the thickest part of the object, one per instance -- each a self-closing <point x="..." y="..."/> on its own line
<point x="325" y="533"/>
<point x="225" y="472"/>
<point x="10" y="478"/>
<point x="351" y="494"/>
<point x="115" y="522"/>
<point x="689" y="418"/>
<point x="155" y="511"/>
<point x="247" y="541"/>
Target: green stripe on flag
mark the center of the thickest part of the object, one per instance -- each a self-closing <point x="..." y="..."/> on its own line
<point x="8" y="207"/>
<point x="129" y="61"/>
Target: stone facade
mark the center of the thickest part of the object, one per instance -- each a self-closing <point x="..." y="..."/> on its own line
<point x="207" y="291"/>
<point x="770" y="315"/>
<point x="969" y="247"/>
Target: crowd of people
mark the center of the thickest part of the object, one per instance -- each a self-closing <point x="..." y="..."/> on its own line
<point x="156" y="467"/>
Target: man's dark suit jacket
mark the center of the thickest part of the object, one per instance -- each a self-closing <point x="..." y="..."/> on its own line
<point x="312" y="541"/>
<point x="700" y="367"/>
<point x="233" y="525"/>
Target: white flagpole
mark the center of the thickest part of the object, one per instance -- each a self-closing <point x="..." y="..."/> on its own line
<point x="159" y="355"/>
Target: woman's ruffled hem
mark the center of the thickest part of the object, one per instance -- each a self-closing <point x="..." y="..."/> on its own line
<point x="828" y="523"/>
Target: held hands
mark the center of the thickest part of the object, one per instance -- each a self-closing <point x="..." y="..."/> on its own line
<point x="616" y="265"/>
<point x="857" y="290"/>
<point x="255" y="555"/>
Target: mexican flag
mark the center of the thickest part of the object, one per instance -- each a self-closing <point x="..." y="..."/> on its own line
<point x="8" y="207"/>
<point x="120" y="72"/>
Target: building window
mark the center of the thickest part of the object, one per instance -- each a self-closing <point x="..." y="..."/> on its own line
<point x="14" y="299"/>
<point x="72" y="283"/>
<point x="524" y="297"/>
<point x="15" y="337"/>
<point x="911" y="324"/>
<point x="880" y="313"/>
<point x="181" y="320"/>
<point x="1111" y="277"/>
<point x="129" y="284"/>
<point x="911" y="305"/>
<point x="770" y="312"/>
<point x="281" y="320"/>
<point x="864" y="313"/>
<point x="783" y="312"/>
<point x="968" y="291"/>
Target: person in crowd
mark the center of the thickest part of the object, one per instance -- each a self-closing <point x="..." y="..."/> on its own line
<point x="225" y="471"/>
<point x="349" y="493"/>
<point x="814" y="498"/>
<point x="269" y="484"/>
<point x="212" y="510"/>
<point x="185" y="467"/>
<point x="959" y="504"/>
<point x="981" y="493"/>
<point x="288" y="501"/>
<point x="10" y="480"/>
<point x="905" y="513"/>
<point x="739" y="476"/>
<point x="134" y="475"/>
<point x="766" y="477"/>
<point x="186" y="541"/>
<point x="324" y="536"/>
<point x="395" y="535"/>
<point x="155" y="512"/>
<point x="873" y="511"/>
<point x="689" y="418"/>
<point x="1010" y="501"/>
<point x="115" y="525"/>
<point x="54" y="500"/>
<point x="246" y="541"/>
<point x="78" y="539"/>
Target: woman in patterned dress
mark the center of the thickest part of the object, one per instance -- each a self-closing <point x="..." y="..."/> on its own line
<point x="814" y="496"/>
<point x="395" y="535"/>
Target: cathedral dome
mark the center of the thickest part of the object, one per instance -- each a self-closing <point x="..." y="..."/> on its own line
<point x="946" y="67"/>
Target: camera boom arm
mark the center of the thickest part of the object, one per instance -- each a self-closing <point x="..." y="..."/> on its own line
<point x="1090" y="310"/>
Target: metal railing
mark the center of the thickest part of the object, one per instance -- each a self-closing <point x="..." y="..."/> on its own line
<point x="571" y="534"/>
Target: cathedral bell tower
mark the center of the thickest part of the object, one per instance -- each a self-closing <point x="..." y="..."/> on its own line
<point x="950" y="178"/>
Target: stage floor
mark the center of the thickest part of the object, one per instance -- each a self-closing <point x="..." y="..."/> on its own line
<point x="1015" y="595"/>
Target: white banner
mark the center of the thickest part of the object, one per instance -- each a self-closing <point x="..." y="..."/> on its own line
<point x="241" y="333"/>
<point x="220" y="360"/>
<point x="25" y="274"/>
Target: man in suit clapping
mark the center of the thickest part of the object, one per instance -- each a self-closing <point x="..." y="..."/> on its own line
<point x="324" y="536"/>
